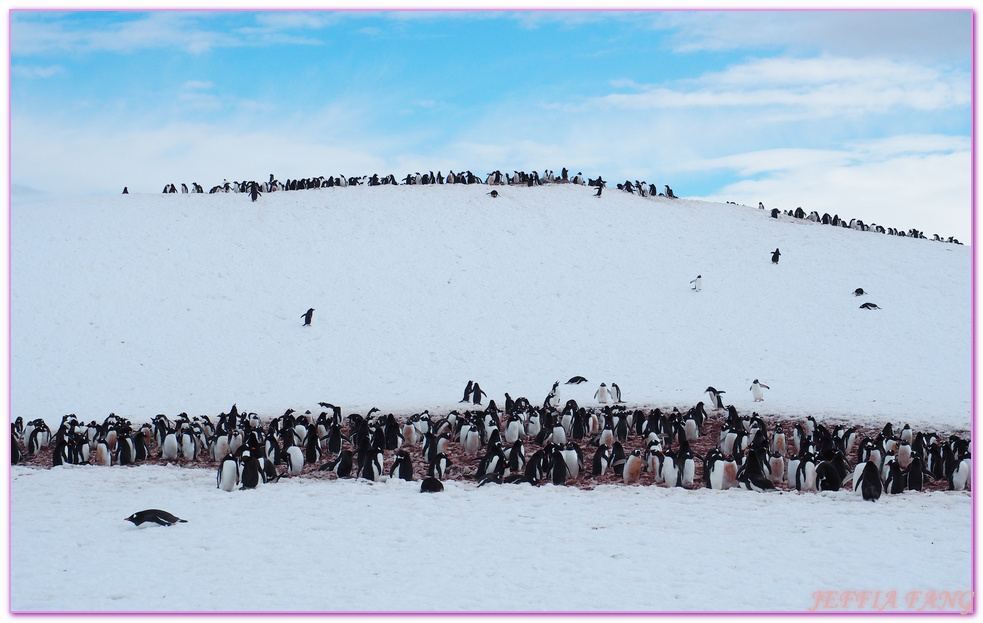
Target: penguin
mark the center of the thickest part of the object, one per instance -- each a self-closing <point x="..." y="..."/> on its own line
<point x="341" y="466"/>
<point x="228" y="473"/>
<point x="756" y="390"/>
<point x="431" y="485"/>
<point x="599" y="188"/>
<point x="827" y="478"/>
<point x="859" y="292"/>
<point x="961" y="476"/>
<point x="403" y="465"/>
<point x="775" y="256"/>
<point x="155" y="515"/>
<point x="251" y="475"/>
<point x="601" y="461"/>
<point x="294" y="457"/>
<point x="601" y="395"/>
<point x="307" y="319"/>
<point x="894" y="483"/>
<point x="15" y="454"/>
<point x="467" y="392"/>
<point x="697" y="283"/>
<point x="633" y="467"/>
<point x="373" y="469"/>
<point x="869" y="306"/>
<point x="558" y="473"/>
<point x="476" y="394"/>
<point x="867" y="481"/>
<point x="125" y="191"/>
<point x="104" y="455"/>
<point x="616" y="393"/>
<point x="576" y="380"/>
<point x="715" y="398"/>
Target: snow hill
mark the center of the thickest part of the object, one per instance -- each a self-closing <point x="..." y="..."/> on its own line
<point x="145" y="304"/>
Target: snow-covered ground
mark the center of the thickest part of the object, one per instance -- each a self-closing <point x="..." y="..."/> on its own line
<point x="146" y="304"/>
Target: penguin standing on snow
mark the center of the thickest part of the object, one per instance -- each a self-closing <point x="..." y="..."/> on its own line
<point x="756" y="390"/>
<point x="228" y="473"/>
<point x="476" y="394"/>
<point x="775" y="256"/>
<point x="859" y="292"/>
<point x="307" y="318"/>
<point x="467" y="392"/>
<point x="633" y="467"/>
<point x="697" y="283"/>
<point x="867" y="481"/>
<point x="616" y="393"/>
<point x="601" y="395"/>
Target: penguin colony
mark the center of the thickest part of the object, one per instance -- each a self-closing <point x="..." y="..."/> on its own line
<point x="518" y="178"/>
<point x="497" y="178"/>
<point x="569" y="445"/>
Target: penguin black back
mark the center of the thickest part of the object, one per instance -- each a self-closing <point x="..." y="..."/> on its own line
<point x="155" y="515"/>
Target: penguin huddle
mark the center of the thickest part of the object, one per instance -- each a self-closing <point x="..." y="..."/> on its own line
<point x="560" y="445"/>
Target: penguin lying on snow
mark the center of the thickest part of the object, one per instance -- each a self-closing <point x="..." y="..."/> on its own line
<point x="869" y="306"/>
<point x="155" y="515"/>
<point x="577" y="380"/>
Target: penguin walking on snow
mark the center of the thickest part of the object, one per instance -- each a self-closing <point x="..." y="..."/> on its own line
<point x="601" y="395"/>
<point x="307" y="316"/>
<point x="756" y="390"/>
<point x="775" y="256"/>
<point x="697" y="283"/>
<point x="715" y="398"/>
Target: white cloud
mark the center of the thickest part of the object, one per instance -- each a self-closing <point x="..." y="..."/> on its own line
<point x="904" y="181"/>
<point x="23" y="71"/>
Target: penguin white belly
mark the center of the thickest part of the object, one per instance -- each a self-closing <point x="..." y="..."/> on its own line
<point x="228" y="474"/>
<point x="670" y="474"/>
<point x="573" y="464"/>
<point x="757" y="393"/>
<point x="295" y="460"/>
<point x="858" y="474"/>
<point x="689" y="472"/>
<point x="655" y="466"/>
<point x="633" y="470"/>
<point x="692" y="431"/>
<point x="169" y="450"/>
<point x="513" y="431"/>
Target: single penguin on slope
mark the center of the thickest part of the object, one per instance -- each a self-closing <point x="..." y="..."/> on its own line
<point x="155" y="515"/>
<point x="307" y="316"/>
<point x="756" y="390"/>
<point x="697" y="283"/>
<point x="775" y="256"/>
<point x="715" y="398"/>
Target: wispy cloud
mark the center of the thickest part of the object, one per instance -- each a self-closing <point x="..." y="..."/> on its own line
<point x="24" y="71"/>
<point x="907" y="34"/>
<point x="824" y="86"/>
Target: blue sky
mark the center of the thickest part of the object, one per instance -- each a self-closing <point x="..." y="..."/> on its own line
<point x="862" y="113"/>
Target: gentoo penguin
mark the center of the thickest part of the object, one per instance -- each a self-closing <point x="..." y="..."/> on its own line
<point x="601" y="461"/>
<point x="869" y="306"/>
<point x="632" y="472"/>
<point x="228" y="473"/>
<point x="756" y="390"/>
<point x="155" y="515"/>
<point x="294" y="457"/>
<point x="775" y="256"/>
<point x="431" y="485"/>
<point x="576" y="380"/>
<point x="859" y="292"/>
<point x="476" y="394"/>
<point x="615" y="392"/>
<point x="467" y="392"/>
<point x="601" y="395"/>
<point x="867" y="481"/>
<point x="341" y="466"/>
<point x="402" y="466"/>
<point x="250" y="477"/>
<point x="125" y="191"/>
<point x="715" y="398"/>
<point x="599" y="189"/>
<point x="697" y="283"/>
<point x="307" y="318"/>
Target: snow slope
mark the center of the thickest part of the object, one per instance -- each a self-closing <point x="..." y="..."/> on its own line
<point x="146" y="304"/>
<point x="140" y="304"/>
